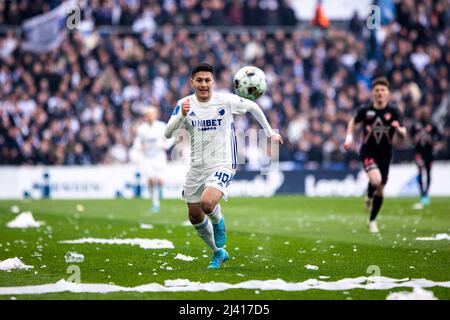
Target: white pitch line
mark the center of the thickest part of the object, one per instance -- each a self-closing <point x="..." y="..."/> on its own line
<point x="184" y="285"/>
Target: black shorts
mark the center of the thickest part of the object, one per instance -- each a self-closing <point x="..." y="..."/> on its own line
<point x="423" y="160"/>
<point x="370" y="163"/>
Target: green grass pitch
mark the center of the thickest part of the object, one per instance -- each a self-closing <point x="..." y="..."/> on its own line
<point x="268" y="238"/>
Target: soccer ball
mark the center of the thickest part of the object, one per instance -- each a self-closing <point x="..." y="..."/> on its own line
<point x="250" y="82"/>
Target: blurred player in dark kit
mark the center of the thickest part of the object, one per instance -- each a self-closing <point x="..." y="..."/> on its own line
<point x="380" y="120"/>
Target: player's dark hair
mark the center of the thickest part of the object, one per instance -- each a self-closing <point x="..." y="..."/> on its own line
<point x="204" y="66"/>
<point x="380" y="81"/>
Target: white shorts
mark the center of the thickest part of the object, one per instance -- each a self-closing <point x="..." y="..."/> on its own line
<point x="197" y="180"/>
<point x="153" y="169"/>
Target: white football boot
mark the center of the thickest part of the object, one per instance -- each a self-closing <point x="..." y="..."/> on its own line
<point x="373" y="227"/>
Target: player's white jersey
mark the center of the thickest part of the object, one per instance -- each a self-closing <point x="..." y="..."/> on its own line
<point x="150" y="141"/>
<point x="211" y="128"/>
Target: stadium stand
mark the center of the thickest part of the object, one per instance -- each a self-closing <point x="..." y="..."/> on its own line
<point x="78" y="103"/>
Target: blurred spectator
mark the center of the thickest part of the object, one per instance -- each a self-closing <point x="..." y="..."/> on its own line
<point x="235" y="13"/>
<point x="287" y="14"/>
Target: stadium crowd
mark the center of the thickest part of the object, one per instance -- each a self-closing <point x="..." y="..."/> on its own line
<point x="78" y="104"/>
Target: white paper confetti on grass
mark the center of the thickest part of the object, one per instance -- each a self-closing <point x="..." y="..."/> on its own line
<point x="178" y="283"/>
<point x="311" y="267"/>
<point x="15" y="209"/>
<point x="13" y="263"/>
<point x="183" y="257"/>
<point x="143" y="243"/>
<point x="24" y="220"/>
<point x="416" y="294"/>
<point x="439" y="236"/>
<point x="146" y="226"/>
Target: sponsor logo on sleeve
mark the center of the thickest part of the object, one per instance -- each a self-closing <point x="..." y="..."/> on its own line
<point x="176" y="110"/>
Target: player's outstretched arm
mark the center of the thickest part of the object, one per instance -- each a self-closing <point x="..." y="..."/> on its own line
<point x="256" y="111"/>
<point x="178" y="116"/>
<point x="169" y="143"/>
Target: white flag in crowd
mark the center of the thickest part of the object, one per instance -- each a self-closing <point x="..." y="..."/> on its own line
<point x="45" y="32"/>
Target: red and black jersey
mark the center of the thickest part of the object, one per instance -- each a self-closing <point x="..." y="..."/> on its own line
<point x="424" y="134"/>
<point x="378" y="130"/>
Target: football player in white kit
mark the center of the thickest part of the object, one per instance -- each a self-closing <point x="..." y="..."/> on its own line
<point x="208" y="118"/>
<point x="149" y="152"/>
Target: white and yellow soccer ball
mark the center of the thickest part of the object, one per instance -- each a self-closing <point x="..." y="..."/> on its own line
<point x="250" y="82"/>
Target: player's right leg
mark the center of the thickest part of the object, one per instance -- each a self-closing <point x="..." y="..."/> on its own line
<point x="421" y="172"/>
<point x="156" y="194"/>
<point x="202" y="224"/>
<point x="419" y="163"/>
<point x="375" y="180"/>
<point x="211" y="206"/>
<point x="205" y="230"/>
<point x="369" y="197"/>
<point x="148" y="168"/>
<point x="427" y="169"/>
<point x="377" y="202"/>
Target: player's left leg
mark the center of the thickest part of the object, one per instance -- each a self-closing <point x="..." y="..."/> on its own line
<point x="151" y="191"/>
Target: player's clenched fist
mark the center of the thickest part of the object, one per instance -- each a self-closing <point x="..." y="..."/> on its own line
<point x="277" y="138"/>
<point x="185" y="106"/>
<point x="348" y="142"/>
<point x="347" y="146"/>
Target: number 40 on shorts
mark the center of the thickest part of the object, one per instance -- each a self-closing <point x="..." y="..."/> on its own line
<point x="223" y="177"/>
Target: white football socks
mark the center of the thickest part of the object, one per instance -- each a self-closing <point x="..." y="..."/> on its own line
<point x="216" y="214"/>
<point x="155" y="195"/>
<point x="205" y="231"/>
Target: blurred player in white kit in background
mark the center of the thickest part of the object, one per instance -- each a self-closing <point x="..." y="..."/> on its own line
<point x="149" y="153"/>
